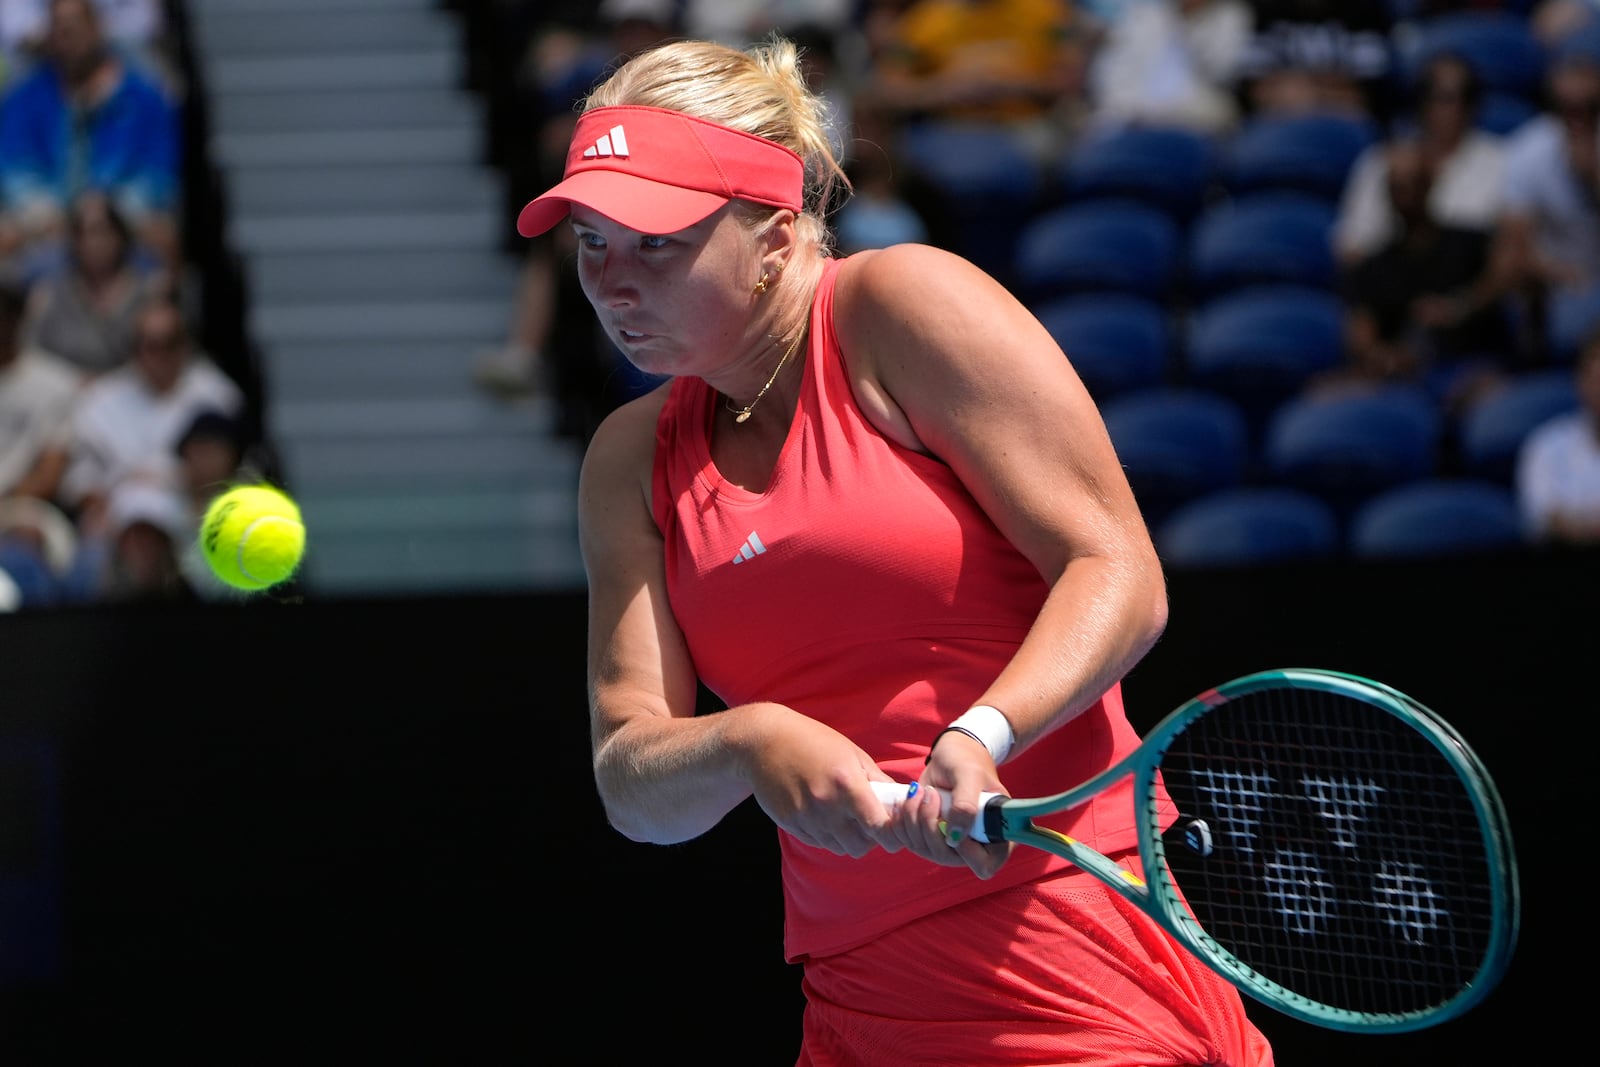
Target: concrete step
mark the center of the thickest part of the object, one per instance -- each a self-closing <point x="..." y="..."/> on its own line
<point x="340" y="277"/>
<point x="408" y="539"/>
<point x="203" y="9"/>
<point x="407" y="232"/>
<point x="401" y="108"/>
<point x="422" y="419"/>
<point x="314" y="190"/>
<point x="436" y="511"/>
<point x="400" y="562"/>
<point x="436" y="66"/>
<point x="377" y="371"/>
<point x="509" y="463"/>
<point x="420" y="146"/>
<point x="481" y="320"/>
<point x="291" y="29"/>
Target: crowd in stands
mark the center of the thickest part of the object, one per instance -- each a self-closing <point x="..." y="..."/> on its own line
<point x="116" y="425"/>
<point x="1443" y="155"/>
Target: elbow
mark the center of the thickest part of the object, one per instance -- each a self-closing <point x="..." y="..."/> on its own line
<point x="634" y="832"/>
<point x="646" y="831"/>
<point x="1156" y="618"/>
<point x="1155" y="605"/>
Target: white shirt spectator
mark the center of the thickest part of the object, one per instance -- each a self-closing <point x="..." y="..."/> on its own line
<point x="37" y="391"/>
<point x="137" y="23"/>
<point x="1161" y="63"/>
<point x="1558" y="471"/>
<point x="122" y="429"/>
<point x="1467" y="192"/>
<point x="739" y="22"/>
<point x="1540" y="183"/>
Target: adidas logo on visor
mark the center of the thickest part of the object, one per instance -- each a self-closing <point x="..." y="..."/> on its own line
<point x="614" y="143"/>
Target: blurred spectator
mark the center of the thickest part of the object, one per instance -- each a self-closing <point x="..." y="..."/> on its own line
<point x="741" y="22"/>
<point x="1319" y="56"/>
<point x="1466" y="162"/>
<point x="38" y="547"/>
<point x="37" y="392"/>
<point x="1547" y="241"/>
<point x="126" y="423"/>
<point x="84" y="118"/>
<point x="139" y="27"/>
<point x="133" y="553"/>
<point x="213" y="455"/>
<point x="877" y="213"/>
<point x="551" y="348"/>
<point x="1553" y="21"/>
<point x="1022" y="64"/>
<point x="1172" y="62"/>
<point x="83" y="307"/>
<point x="1421" y="306"/>
<point x="1558" y="467"/>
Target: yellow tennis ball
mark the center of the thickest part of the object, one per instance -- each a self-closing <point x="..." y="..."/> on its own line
<point x="253" y="537"/>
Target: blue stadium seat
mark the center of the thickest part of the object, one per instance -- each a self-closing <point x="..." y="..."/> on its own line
<point x="1308" y="153"/>
<point x="1169" y="167"/>
<point x="1490" y="432"/>
<point x="1260" y="345"/>
<point x="1436" y="517"/>
<point x="1501" y="113"/>
<point x="30" y="573"/>
<point x="1099" y="246"/>
<point x="1116" y="342"/>
<point x="1572" y="316"/>
<point x="1262" y="238"/>
<point x="1250" y="525"/>
<point x="1499" y="45"/>
<point x="1349" y="445"/>
<point x="987" y="182"/>
<point x="1176" y="445"/>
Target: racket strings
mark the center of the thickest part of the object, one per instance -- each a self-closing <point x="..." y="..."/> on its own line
<point x="1346" y="857"/>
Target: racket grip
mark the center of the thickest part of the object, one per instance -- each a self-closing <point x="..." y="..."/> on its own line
<point x="893" y="794"/>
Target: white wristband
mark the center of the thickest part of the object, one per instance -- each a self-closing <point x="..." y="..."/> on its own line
<point x="990" y="726"/>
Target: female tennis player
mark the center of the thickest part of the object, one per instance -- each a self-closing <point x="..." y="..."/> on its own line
<point x="877" y="514"/>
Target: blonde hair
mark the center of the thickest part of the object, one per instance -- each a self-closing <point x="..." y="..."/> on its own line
<point x="760" y="90"/>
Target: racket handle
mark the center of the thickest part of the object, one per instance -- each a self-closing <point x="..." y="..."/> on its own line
<point x="893" y="794"/>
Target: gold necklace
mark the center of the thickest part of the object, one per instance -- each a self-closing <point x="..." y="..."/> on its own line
<point x="741" y="414"/>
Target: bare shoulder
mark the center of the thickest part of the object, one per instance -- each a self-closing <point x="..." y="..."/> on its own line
<point x="618" y="462"/>
<point x="889" y="284"/>
<point x="908" y="305"/>
<point x="918" y="329"/>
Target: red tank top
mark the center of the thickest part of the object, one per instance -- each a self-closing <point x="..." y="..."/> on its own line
<point x="867" y="589"/>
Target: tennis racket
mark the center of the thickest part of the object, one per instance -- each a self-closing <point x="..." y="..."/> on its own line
<point x="1341" y="854"/>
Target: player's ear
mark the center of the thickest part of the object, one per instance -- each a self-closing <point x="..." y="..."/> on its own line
<point x="777" y="238"/>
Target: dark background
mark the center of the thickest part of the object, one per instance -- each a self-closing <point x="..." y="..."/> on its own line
<point x="366" y="830"/>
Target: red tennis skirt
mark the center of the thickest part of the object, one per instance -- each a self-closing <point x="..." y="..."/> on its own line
<point x="1063" y="971"/>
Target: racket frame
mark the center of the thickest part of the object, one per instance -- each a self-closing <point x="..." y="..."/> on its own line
<point x="1159" y="896"/>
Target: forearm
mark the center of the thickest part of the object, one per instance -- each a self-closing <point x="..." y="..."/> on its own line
<point x="1099" y="620"/>
<point x="666" y="779"/>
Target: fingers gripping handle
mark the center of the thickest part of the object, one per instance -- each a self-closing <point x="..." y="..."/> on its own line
<point x="893" y="794"/>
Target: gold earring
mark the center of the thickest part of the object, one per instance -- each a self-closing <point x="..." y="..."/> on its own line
<point x="761" y="286"/>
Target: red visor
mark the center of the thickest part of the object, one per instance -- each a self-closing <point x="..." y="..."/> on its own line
<point x="659" y="171"/>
